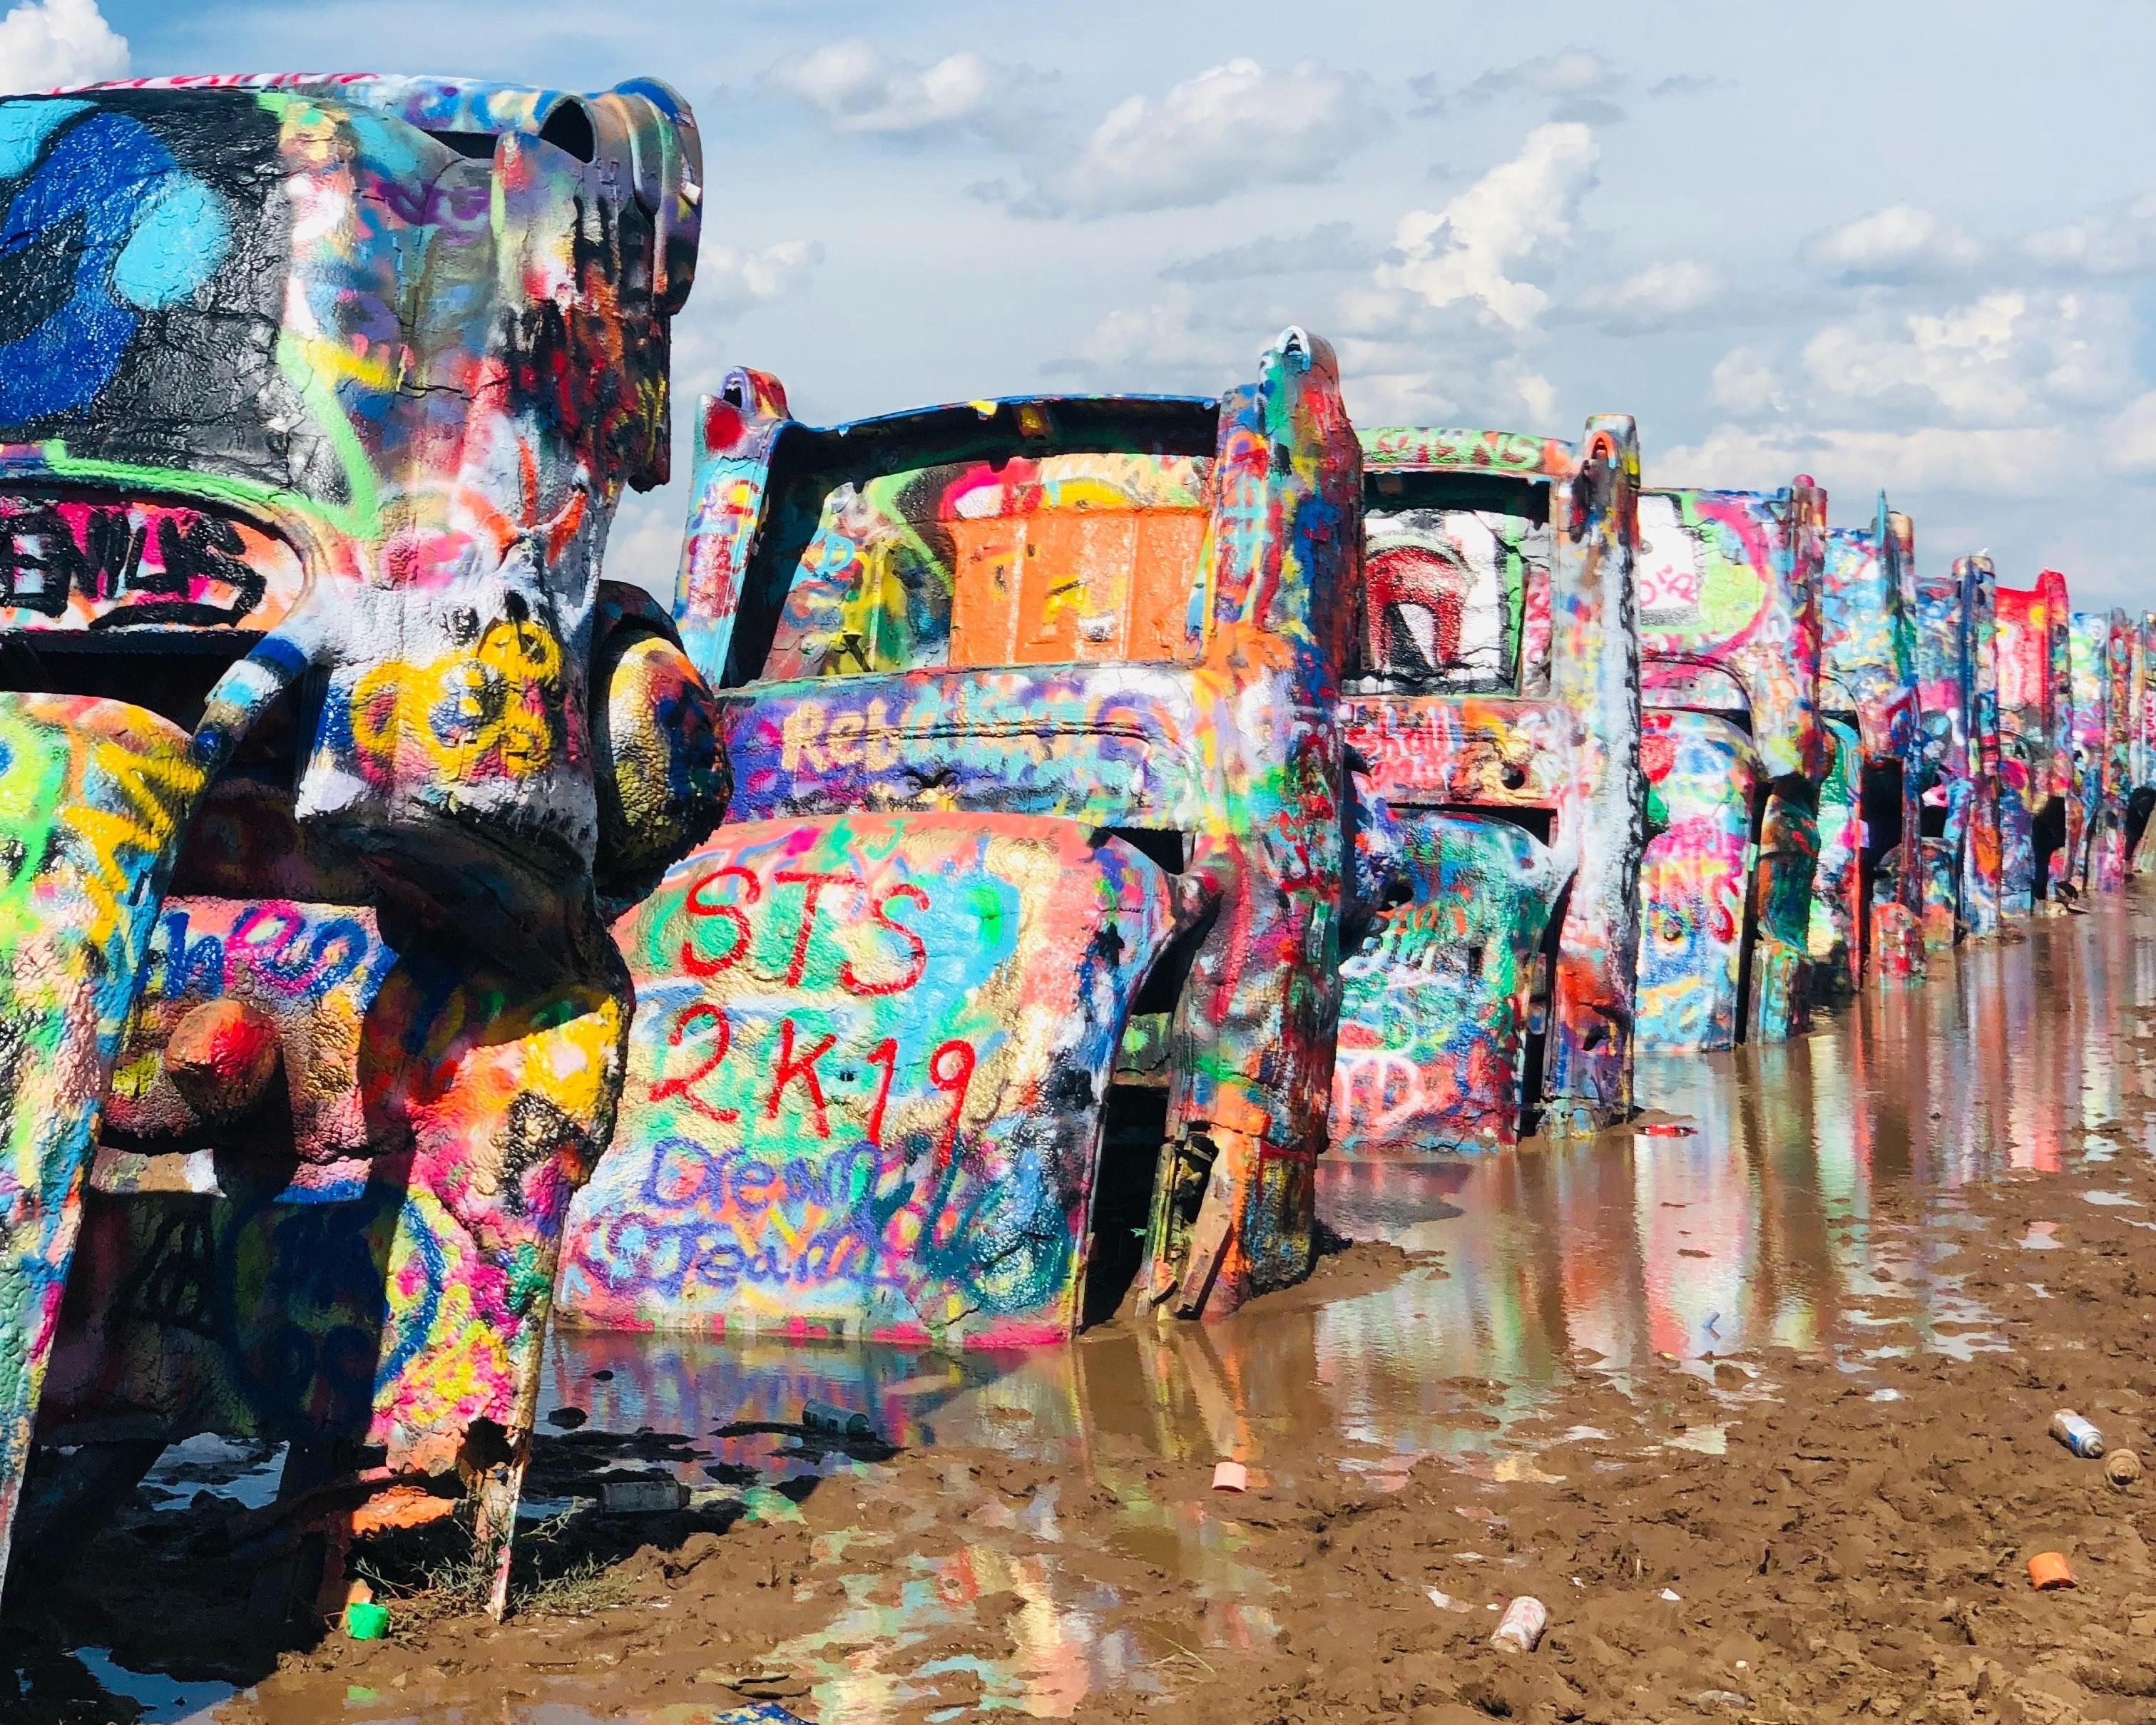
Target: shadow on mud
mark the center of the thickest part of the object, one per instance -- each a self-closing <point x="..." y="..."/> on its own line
<point x="163" y="1587"/>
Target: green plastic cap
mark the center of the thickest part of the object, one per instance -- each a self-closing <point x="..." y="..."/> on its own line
<point x="366" y="1623"/>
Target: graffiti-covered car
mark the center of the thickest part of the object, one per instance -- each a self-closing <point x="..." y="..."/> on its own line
<point x="2036" y="739"/>
<point x="1012" y="974"/>
<point x="316" y="397"/>
<point x="1492" y="713"/>
<point x="1734" y="753"/>
<point x="1867" y="898"/>
<point x="1957" y="719"/>
<point x="2095" y="818"/>
<point x="2142" y="754"/>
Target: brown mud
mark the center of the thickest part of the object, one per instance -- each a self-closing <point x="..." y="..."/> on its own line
<point x="1758" y="1410"/>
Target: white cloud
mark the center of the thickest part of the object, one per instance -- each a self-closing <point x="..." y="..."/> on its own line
<point x="43" y="43"/>
<point x="1899" y="243"/>
<point x="1662" y="294"/>
<point x="1744" y="382"/>
<point x="859" y="90"/>
<point x="730" y="280"/>
<point x="1579" y="81"/>
<point x="1569" y="71"/>
<point x="2012" y="395"/>
<point x="1229" y="128"/>
<point x="1175" y="342"/>
<point x="2020" y="461"/>
<point x="1519" y="212"/>
<point x="1992" y="361"/>
<point x="1330" y="246"/>
<point x="2119" y="240"/>
<point x="2130" y="438"/>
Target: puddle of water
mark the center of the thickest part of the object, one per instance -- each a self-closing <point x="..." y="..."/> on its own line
<point x="164" y="1701"/>
<point x="2040" y="1237"/>
<point x="2111" y="1198"/>
<point x="244" y="1471"/>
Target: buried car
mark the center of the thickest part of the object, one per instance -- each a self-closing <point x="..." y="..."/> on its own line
<point x="1868" y="897"/>
<point x="2036" y="741"/>
<point x="1493" y="710"/>
<point x="1011" y="976"/>
<point x="1734" y="753"/>
<point x="1957" y="719"/>
<point x="318" y="396"/>
<point x="2096" y="821"/>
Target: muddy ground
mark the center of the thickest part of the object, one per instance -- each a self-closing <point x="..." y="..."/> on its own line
<point x="1840" y="1526"/>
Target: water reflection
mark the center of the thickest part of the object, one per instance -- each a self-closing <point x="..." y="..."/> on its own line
<point x="1807" y="1205"/>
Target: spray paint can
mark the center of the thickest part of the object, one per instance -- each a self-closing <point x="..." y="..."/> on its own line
<point x="2077" y="1434"/>
<point x="841" y="1422"/>
<point x="1521" y="1625"/>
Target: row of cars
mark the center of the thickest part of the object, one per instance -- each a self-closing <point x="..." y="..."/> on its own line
<point x="1038" y="831"/>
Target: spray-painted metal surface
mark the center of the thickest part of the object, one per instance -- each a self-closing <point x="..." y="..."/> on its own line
<point x="864" y="1091"/>
<point x="2120" y="717"/>
<point x="316" y="394"/>
<point x="1981" y="876"/>
<point x="1868" y="910"/>
<point x="2036" y="746"/>
<point x="2096" y="825"/>
<point x="1507" y="801"/>
<point x="2142" y="755"/>
<point x="1727" y="583"/>
<point x="1129" y="613"/>
<point x="91" y="792"/>
<point x="1839" y="927"/>
<point x="1958" y="713"/>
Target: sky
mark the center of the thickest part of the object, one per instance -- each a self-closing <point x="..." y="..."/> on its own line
<point x="1903" y="244"/>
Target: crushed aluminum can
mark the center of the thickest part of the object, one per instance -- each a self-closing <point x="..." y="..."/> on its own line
<point x="1521" y="1625"/>
<point x="2077" y="1435"/>
<point x="642" y="1497"/>
<point x="838" y="1422"/>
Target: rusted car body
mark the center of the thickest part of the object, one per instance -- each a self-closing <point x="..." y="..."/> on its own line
<point x="1031" y="708"/>
<point x="1734" y="753"/>
<point x="1959" y="714"/>
<point x="2036" y="744"/>
<point x="1868" y="893"/>
<point x="320" y="394"/>
<point x="1493" y="711"/>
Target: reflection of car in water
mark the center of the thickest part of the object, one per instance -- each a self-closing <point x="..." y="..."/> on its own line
<point x="1867" y="898"/>
<point x="319" y="393"/>
<point x="1734" y="754"/>
<point x="1492" y="709"/>
<point x="1031" y="711"/>
<point x="1958" y="723"/>
<point x="2035" y="742"/>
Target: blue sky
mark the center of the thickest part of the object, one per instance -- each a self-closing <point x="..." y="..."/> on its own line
<point x="1907" y="245"/>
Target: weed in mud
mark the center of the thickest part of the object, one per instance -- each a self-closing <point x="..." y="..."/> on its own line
<point x="427" y="1574"/>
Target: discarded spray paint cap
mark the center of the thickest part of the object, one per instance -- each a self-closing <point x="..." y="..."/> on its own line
<point x="1521" y="1625"/>
<point x="844" y="1422"/>
<point x="366" y="1621"/>
<point x="2121" y="1467"/>
<point x="2050" y="1569"/>
<point x="1231" y="1476"/>
<point x="2077" y="1434"/>
<point x="642" y="1497"/>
